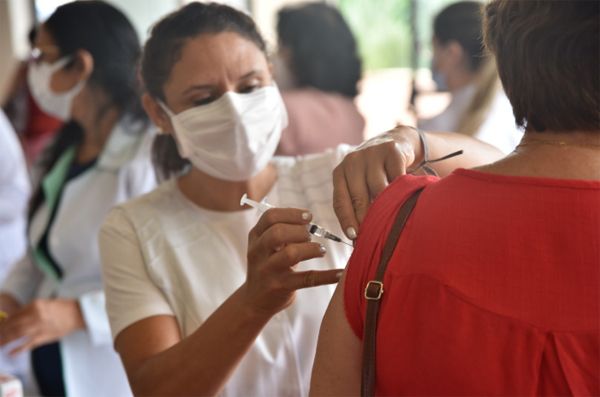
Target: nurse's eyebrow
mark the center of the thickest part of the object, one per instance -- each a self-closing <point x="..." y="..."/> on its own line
<point x="250" y="74"/>
<point x="198" y="87"/>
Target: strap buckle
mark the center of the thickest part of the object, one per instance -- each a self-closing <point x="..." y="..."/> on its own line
<point x="373" y="290"/>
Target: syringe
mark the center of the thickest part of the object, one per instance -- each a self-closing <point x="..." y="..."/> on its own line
<point x="313" y="228"/>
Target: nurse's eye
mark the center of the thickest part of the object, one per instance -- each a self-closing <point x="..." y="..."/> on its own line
<point x="248" y="88"/>
<point x="203" y="101"/>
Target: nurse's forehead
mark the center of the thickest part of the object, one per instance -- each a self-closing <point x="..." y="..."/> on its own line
<point x="212" y="57"/>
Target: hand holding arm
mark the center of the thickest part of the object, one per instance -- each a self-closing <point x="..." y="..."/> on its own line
<point x="364" y="173"/>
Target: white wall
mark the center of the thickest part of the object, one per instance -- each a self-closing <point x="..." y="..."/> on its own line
<point x="144" y="13"/>
<point x="16" y="19"/>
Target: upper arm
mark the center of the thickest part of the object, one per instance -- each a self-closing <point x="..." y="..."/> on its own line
<point x="143" y="340"/>
<point x="131" y="294"/>
<point x="337" y="367"/>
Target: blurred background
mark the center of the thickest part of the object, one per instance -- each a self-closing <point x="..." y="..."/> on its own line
<point x="396" y="52"/>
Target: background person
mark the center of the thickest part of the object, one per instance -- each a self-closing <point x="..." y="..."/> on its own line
<point x="318" y="68"/>
<point x="85" y="75"/>
<point x="14" y="195"/>
<point x="462" y="65"/>
<point x="509" y="305"/>
<point x="35" y="128"/>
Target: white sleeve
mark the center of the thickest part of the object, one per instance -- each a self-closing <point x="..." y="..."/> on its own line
<point x="92" y="305"/>
<point x="14" y="181"/>
<point x="141" y="177"/>
<point x="131" y="295"/>
<point x="23" y="280"/>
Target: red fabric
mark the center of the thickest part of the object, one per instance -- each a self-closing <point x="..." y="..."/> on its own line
<point x="492" y="289"/>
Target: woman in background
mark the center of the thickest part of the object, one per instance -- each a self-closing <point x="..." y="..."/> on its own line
<point x="317" y="68"/>
<point x="85" y="74"/>
<point x="462" y="65"/>
<point x="35" y="128"/>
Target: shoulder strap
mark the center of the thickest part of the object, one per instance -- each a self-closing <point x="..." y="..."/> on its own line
<point x="373" y="293"/>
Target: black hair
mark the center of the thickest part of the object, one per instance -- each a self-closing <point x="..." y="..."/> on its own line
<point x="324" y="53"/>
<point x="462" y="22"/>
<point x="106" y="33"/>
<point x="31" y="35"/>
<point x="163" y="50"/>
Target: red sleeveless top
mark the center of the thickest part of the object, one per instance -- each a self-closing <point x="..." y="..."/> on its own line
<point x="492" y="289"/>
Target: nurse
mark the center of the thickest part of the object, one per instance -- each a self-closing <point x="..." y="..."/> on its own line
<point x="84" y="73"/>
<point x="202" y="299"/>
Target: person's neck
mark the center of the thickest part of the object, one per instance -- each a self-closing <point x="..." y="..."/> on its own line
<point x="219" y="195"/>
<point x="561" y="155"/>
<point x="97" y="126"/>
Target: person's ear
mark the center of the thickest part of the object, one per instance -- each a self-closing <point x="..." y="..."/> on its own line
<point x="157" y="114"/>
<point x="83" y="65"/>
<point x="455" y="54"/>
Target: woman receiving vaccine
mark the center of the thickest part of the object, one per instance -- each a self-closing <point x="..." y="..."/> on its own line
<point x="202" y="299"/>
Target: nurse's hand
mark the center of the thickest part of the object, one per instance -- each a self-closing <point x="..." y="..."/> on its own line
<point x="41" y="322"/>
<point x="367" y="171"/>
<point x="278" y="242"/>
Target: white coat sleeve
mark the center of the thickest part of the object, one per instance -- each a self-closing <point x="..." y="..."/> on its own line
<point x="14" y="182"/>
<point x="131" y="294"/>
<point x="23" y="280"/>
<point x="92" y="305"/>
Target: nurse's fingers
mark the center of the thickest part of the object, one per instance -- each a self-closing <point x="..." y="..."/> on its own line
<point x="342" y="204"/>
<point x="281" y="234"/>
<point x="280" y="215"/>
<point x="293" y="254"/>
<point x="314" y="278"/>
<point x="376" y="179"/>
<point x="396" y="163"/>
<point x="356" y="179"/>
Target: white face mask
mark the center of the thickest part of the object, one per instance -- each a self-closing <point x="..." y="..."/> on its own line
<point x="234" y="137"/>
<point x="55" y="104"/>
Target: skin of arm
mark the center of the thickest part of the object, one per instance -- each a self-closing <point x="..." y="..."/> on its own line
<point x="159" y="361"/>
<point x="364" y="173"/>
<point x="337" y="367"/>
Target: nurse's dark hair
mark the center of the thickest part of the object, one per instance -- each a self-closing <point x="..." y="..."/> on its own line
<point x="106" y="33"/>
<point x="163" y="50"/>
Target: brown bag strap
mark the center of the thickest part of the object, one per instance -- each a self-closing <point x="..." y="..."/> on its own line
<point x="373" y="293"/>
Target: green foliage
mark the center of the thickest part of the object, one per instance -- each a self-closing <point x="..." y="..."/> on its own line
<point x="382" y="28"/>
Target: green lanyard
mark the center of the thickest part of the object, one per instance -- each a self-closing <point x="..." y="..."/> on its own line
<point x="52" y="185"/>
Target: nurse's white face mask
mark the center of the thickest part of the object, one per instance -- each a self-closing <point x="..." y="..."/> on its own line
<point x="234" y="137"/>
<point x="57" y="104"/>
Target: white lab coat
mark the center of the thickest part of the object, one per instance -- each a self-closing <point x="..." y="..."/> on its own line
<point x="90" y="365"/>
<point x="14" y="195"/>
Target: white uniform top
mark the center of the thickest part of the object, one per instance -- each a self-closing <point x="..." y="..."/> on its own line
<point x="498" y="128"/>
<point x="14" y="196"/>
<point x="123" y="171"/>
<point x="163" y="255"/>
